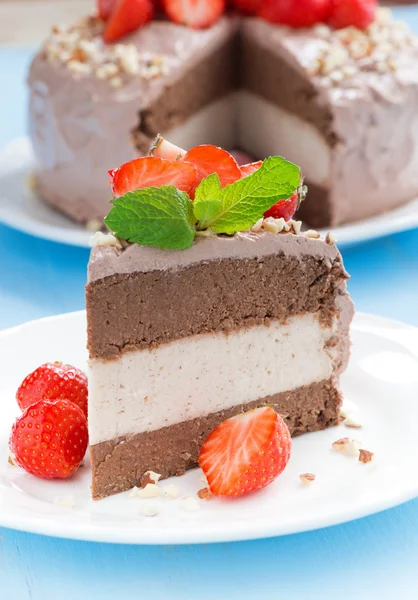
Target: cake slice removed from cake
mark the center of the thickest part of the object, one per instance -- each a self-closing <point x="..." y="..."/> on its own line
<point x="181" y="339"/>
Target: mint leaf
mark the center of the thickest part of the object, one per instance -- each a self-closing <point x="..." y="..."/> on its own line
<point x="160" y="217"/>
<point x="246" y="200"/>
<point x="207" y="201"/>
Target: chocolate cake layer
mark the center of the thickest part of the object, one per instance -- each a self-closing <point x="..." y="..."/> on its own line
<point x="268" y="75"/>
<point x="128" y="311"/>
<point x="217" y="75"/>
<point x="119" y="464"/>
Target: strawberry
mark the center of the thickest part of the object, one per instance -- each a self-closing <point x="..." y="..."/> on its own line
<point x="126" y="17"/>
<point x="284" y="208"/>
<point x="295" y="13"/>
<point x="210" y="159"/>
<point x="355" y="13"/>
<point x="250" y="168"/>
<point x="105" y="8"/>
<point x="248" y="7"/>
<point x="246" y="453"/>
<point x="197" y="14"/>
<point x="54" y="381"/>
<point x="161" y="148"/>
<point x="152" y="172"/>
<point x="50" y="439"/>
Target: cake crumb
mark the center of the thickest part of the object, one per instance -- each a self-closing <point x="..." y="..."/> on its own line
<point x="307" y="478"/>
<point x="149" y="509"/>
<point x="347" y="446"/>
<point x="190" y="504"/>
<point x="365" y="456"/>
<point x="64" y="501"/>
<point x="149" y="477"/>
<point x="105" y="239"/>
<point x="171" y="491"/>
<point x="149" y="491"/>
<point x="204" y="494"/>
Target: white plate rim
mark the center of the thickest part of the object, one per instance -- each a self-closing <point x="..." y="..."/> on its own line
<point x="62" y="529"/>
<point x="351" y="234"/>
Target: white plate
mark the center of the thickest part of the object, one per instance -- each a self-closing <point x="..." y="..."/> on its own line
<point x="382" y="381"/>
<point x="22" y="209"/>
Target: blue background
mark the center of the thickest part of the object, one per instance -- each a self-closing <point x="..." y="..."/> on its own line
<point x="376" y="557"/>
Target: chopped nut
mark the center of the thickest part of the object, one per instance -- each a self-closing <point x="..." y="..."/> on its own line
<point x="149" y="491"/>
<point x="365" y="456"/>
<point x="347" y="446"/>
<point x="297" y="225"/>
<point x="149" y="477"/>
<point x="330" y="239"/>
<point x="129" y="59"/>
<point x="79" y="67"/>
<point x="351" y="421"/>
<point x="307" y="478"/>
<point x="106" y="71"/>
<point x="149" y="509"/>
<point x="64" y="501"/>
<point x="271" y="225"/>
<point x="336" y="76"/>
<point x="190" y="504"/>
<point x="11" y="461"/>
<point x="105" y="239"/>
<point x="171" y="491"/>
<point x="257" y="226"/>
<point x="94" y="225"/>
<point x="204" y="493"/>
<point x="311" y="233"/>
<point x="116" y="82"/>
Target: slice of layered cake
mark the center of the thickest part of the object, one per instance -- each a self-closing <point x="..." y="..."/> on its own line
<point x="200" y="310"/>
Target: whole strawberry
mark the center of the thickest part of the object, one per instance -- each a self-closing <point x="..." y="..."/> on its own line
<point x="49" y="440"/>
<point x="354" y="13"/>
<point x="54" y="381"/>
<point x="246" y="453"/>
<point x="295" y="13"/>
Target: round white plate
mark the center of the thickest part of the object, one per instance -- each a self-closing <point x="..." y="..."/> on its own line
<point x="22" y="209"/>
<point x="382" y="382"/>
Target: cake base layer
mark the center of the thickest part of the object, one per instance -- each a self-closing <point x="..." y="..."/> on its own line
<point x="119" y="464"/>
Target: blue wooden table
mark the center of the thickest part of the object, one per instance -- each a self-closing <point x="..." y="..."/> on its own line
<point x="373" y="558"/>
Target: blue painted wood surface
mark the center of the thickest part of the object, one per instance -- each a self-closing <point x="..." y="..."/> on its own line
<point x="373" y="558"/>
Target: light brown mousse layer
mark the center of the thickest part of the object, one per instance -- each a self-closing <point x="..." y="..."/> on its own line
<point x="142" y="297"/>
<point x="119" y="464"/>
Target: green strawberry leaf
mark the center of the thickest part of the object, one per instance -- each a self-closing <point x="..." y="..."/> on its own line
<point x="246" y="200"/>
<point x="160" y="217"/>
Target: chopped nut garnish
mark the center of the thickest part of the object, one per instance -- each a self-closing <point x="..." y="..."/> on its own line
<point x="365" y="456"/>
<point x="347" y="446"/>
<point x="351" y="421"/>
<point x="149" y="477"/>
<point x="149" y="491"/>
<point x="330" y="239"/>
<point x="296" y="225"/>
<point x="105" y="239"/>
<point x="311" y="233"/>
<point x="272" y="225"/>
<point x="257" y="226"/>
<point x="204" y="493"/>
<point x="11" y="461"/>
<point x="307" y="478"/>
<point x="171" y="491"/>
<point x="116" y="82"/>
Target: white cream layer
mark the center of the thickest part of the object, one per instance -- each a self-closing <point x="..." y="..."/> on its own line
<point x="267" y="130"/>
<point x="145" y="390"/>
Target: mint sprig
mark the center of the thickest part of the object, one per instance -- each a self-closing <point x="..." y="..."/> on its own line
<point x="160" y="217"/>
<point x="167" y="218"/>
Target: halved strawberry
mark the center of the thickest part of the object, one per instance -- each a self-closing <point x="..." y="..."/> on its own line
<point x="284" y="209"/>
<point x="248" y="7"/>
<point x="152" y="172"/>
<point x="246" y="453"/>
<point x="105" y="8"/>
<point x="295" y="13"/>
<point x="210" y="159"/>
<point x="126" y="17"/>
<point x="197" y="14"/>
<point x="250" y="168"/>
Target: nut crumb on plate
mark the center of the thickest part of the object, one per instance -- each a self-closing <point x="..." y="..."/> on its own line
<point x="307" y="478"/>
<point x="149" y="477"/>
<point x="171" y="491"/>
<point x="351" y="421"/>
<point x="149" y="491"/>
<point x="347" y="446"/>
<point x="204" y="494"/>
<point x="365" y="456"/>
